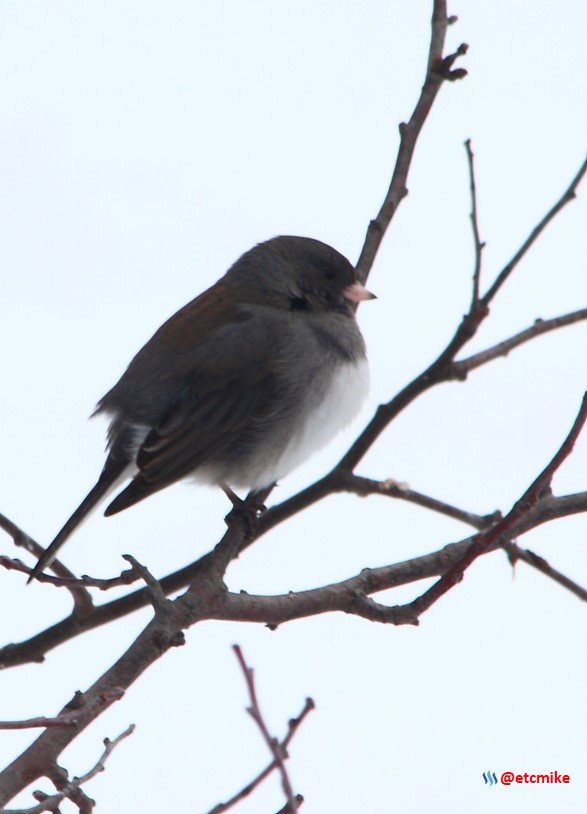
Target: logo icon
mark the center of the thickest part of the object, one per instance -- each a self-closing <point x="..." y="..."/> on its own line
<point x="490" y="778"/>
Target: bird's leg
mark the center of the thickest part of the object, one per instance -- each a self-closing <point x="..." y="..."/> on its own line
<point x="249" y="509"/>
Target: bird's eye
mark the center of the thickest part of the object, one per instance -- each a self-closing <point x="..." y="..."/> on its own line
<point x="329" y="274"/>
<point x="298" y="304"/>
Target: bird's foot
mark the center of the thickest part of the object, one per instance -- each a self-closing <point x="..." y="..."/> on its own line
<point x="248" y="510"/>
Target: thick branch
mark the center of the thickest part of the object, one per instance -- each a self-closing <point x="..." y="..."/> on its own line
<point x="352" y="595"/>
<point x="207" y="599"/>
<point x="430" y="565"/>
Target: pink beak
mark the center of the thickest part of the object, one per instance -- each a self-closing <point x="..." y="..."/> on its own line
<point x="357" y="293"/>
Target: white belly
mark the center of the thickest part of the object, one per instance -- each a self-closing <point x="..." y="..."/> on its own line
<point x="342" y="402"/>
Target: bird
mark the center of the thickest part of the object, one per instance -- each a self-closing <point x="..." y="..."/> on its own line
<point x="241" y="385"/>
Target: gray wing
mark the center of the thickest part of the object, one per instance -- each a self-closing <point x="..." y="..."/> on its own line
<point x="231" y="387"/>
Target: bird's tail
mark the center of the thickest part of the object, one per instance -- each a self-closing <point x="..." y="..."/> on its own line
<point x="114" y="468"/>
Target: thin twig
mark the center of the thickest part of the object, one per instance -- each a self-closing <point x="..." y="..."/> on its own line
<point x="272" y="743"/>
<point x="515" y="553"/>
<point x="440" y="370"/>
<point x="71" y="788"/>
<point x="109" y="746"/>
<point x="568" y="195"/>
<point x="461" y="368"/>
<point x="48" y="803"/>
<point x="438" y="70"/>
<point x="124" y="578"/>
<point x="484" y="540"/>
<point x="69" y="718"/>
<point x="157" y="596"/>
<point x="82" y="599"/>
<point x="286" y="809"/>
<point x="479" y="245"/>
<point x="293" y="726"/>
<point x="389" y="488"/>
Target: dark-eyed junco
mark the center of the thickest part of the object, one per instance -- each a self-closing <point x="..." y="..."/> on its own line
<point x="240" y="385"/>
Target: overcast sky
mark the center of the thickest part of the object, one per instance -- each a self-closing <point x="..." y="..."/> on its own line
<point x="145" y="146"/>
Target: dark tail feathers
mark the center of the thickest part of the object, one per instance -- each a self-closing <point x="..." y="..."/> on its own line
<point x="113" y="469"/>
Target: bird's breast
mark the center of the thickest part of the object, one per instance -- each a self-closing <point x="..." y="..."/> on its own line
<point x="326" y="410"/>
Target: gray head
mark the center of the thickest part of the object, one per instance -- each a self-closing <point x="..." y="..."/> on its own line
<point x="296" y="273"/>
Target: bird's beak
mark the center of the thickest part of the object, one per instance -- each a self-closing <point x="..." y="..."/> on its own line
<point x="357" y="293"/>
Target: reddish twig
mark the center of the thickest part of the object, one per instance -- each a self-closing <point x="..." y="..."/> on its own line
<point x="484" y="540"/>
<point x="293" y="726"/>
<point x="275" y="747"/>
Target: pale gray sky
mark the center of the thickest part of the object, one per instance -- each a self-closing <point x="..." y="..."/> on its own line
<point x="143" y="147"/>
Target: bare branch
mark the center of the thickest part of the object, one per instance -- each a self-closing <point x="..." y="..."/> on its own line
<point x="207" y="597"/>
<point x="441" y="369"/>
<point x="298" y="799"/>
<point x="477" y="242"/>
<point x="349" y="482"/>
<point x="516" y="553"/>
<point x="275" y="609"/>
<point x="438" y="70"/>
<point x="204" y="600"/>
<point x="484" y="540"/>
<point x="157" y="597"/>
<point x="293" y="726"/>
<point x="81" y="598"/>
<point x="109" y="747"/>
<point x="463" y="367"/>
<point x="67" y="718"/>
<point x="124" y="578"/>
<point x="71" y="789"/>
<point x="568" y="195"/>
<point x="279" y="756"/>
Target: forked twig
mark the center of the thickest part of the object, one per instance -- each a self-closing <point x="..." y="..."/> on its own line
<point x="275" y="747"/>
